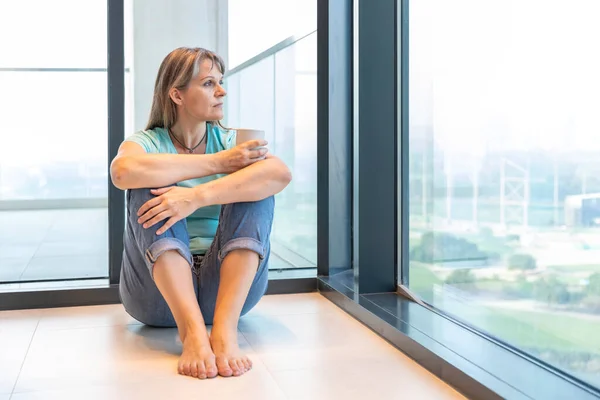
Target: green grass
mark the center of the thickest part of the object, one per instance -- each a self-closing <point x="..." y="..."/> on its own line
<point x="593" y="268"/>
<point x="521" y="328"/>
<point x="542" y="330"/>
<point x="534" y="330"/>
<point x="516" y="330"/>
<point x="495" y="286"/>
<point x="422" y="280"/>
<point x="531" y="329"/>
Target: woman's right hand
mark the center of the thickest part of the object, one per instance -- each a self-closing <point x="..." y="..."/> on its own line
<point x="241" y="155"/>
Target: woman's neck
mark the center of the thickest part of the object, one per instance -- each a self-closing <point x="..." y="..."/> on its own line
<point x="187" y="133"/>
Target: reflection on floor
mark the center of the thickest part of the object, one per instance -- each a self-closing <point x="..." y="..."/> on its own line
<point x="302" y="347"/>
<point x="71" y="244"/>
<point x="53" y="244"/>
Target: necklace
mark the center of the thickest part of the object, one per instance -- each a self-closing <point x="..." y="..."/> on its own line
<point x="190" y="150"/>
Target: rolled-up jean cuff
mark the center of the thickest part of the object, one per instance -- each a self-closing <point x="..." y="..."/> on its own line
<point x="245" y="243"/>
<point x="157" y="248"/>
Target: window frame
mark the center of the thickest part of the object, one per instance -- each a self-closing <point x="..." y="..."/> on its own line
<point x="373" y="286"/>
<point x="106" y="291"/>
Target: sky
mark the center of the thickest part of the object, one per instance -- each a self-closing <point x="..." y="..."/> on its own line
<point x="513" y="75"/>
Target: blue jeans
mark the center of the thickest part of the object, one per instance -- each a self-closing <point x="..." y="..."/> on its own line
<point x="241" y="226"/>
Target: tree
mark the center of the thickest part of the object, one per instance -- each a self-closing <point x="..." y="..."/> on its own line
<point x="460" y="276"/>
<point x="521" y="288"/>
<point x="552" y="291"/>
<point x="592" y="303"/>
<point x="593" y="288"/>
<point x="523" y="262"/>
<point x="445" y="247"/>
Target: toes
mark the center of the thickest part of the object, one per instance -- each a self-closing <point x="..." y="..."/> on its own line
<point x="241" y="366"/>
<point x="237" y="371"/>
<point x="223" y="367"/>
<point x="201" y="370"/>
<point x="233" y="366"/>
<point x="211" y="369"/>
<point x="194" y="369"/>
<point x="186" y="368"/>
<point x="247" y="364"/>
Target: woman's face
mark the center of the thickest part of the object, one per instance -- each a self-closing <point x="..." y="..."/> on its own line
<point x="202" y="99"/>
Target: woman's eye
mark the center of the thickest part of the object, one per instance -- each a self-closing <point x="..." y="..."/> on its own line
<point x="208" y="83"/>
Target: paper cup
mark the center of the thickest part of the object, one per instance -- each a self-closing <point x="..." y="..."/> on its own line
<point x="245" y="135"/>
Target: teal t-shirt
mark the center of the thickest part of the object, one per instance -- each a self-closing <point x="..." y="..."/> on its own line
<point x="202" y="224"/>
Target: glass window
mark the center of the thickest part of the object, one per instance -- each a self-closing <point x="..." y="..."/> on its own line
<point x="251" y="31"/>
<point x="504" y="181"/>
<point x="53" y="34"/>
<point x="53" y="156"/>
<point x="278" y="95"/>
<point x="61" y="152"/>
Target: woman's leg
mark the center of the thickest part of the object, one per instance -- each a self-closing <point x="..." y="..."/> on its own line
<point x="234" y="276"/>
<point x="173" y="278"/>
<point x="159" y="289"/>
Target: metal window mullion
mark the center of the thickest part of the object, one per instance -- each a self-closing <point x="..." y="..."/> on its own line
<point x="403" y="142"/>
<point x="334" y="139"/>
<point x="116" y="131"/>
<point x="377" y="171"/>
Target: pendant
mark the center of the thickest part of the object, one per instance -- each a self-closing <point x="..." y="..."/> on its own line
<point x="191" y="151"/>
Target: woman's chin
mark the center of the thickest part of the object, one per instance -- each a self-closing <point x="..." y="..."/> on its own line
<point x="217" y="116"/>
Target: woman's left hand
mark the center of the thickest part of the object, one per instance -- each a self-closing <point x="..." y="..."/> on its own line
<point x="172" y="202"/>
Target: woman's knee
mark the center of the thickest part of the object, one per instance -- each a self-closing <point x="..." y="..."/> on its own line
<point x="149" y="244"/>
<point x="137" y="197"/>
<point x="246" y="226"/>
<point x="257" y="211"/>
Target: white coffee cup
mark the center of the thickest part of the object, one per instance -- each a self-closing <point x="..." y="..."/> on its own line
<point x="245" y="135"/>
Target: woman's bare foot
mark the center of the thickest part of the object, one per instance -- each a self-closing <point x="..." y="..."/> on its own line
<point x="197" y="359"/>
<point x="230" y="360"/>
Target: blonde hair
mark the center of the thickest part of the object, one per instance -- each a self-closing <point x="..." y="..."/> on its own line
<point x="176" y="71"/>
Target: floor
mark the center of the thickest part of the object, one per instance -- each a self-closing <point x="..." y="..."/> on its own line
<point x="302" y="347"/>
<point x="73" y="244"/>
<point x="53" y="244"/>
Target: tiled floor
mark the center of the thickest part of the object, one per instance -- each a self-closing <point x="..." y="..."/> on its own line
<point x="53" y="244"/>
<point x="302" y="347"/>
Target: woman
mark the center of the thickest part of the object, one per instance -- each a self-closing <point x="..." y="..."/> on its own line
<point x="187" y="260"/>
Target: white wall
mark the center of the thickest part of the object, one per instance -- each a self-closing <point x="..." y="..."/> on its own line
<point x="159" y="27"/>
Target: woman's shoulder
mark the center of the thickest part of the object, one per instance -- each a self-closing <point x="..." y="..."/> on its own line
<point x="152" y="140"/>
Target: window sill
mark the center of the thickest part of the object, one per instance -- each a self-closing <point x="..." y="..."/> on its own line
<point x="475" y="365"/>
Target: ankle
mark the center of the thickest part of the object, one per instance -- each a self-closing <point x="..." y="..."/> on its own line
<point x="193" y="330"/>
<point x="224" y="325"/>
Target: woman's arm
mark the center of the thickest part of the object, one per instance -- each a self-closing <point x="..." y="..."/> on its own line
<point x="253" y="183"/>
<point x="133" y="168"/>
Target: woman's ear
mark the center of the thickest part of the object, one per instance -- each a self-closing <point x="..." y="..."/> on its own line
<point x="175" y="96"/>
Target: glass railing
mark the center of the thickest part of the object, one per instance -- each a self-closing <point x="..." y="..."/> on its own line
<point x="277" y="92"/>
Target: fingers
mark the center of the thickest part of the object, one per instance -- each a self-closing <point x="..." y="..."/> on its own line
<point x="148" y="205"/>
<point x="167" y="225"/>
<point x="251" y="144"/>
<point x="160" y="191"/>
<point x="159" y="217"/>
<point x="153" y="202"/>
<point x="257" y="153"/>
<point x="150" y="214"/>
